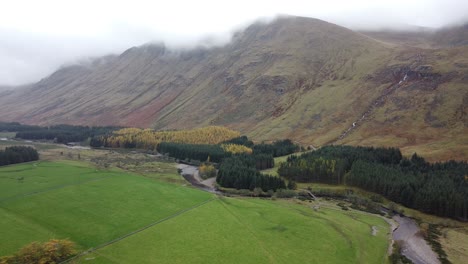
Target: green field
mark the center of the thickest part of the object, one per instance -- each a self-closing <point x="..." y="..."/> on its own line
<point x="88" y="206"/>
<point x="230" y="230"/>
<point x="69" y="199"/>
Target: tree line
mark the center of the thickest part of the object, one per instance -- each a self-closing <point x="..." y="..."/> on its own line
<point x="58" y="133"/>
<point x="149" y="138"/>
<point x="17" y="127"/>
<point x="17" y="154"/>
<point x="439" y="188"/>
<point x="313" y="169"/>
<point x="211" y="153"/>
<point x="329" y="164"/>
<point x="200" y="152"/>
<point x="277" y="148"/>
<point x="239" y="172"/>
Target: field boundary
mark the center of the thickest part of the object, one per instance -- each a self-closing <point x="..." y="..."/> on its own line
<point x="138" y="230"/>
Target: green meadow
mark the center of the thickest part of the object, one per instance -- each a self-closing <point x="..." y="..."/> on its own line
<point x="163" y="222"/>
<point x="88" y="206"/>
<point x="235" y="230"/>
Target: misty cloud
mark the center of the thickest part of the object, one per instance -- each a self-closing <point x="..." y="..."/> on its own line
<point x="37" y="37"/>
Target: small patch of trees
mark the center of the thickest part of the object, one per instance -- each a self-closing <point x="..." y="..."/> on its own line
<point x="52" y="251"/>
<point x="17" y="154"/>
<point x="313" y="169"/>
<point x="239" y="172"/>
<point x="277" y="148"/>
<point x="207" y="171"/>
<point x="236" y="149"/>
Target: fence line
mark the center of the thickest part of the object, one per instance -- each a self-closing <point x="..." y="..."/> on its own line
<point x="137" y="231"/>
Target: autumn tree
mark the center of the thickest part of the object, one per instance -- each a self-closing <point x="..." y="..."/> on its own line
<point x="52" y="251"/>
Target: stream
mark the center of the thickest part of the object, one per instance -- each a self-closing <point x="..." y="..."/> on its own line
<point x="414" y="247"/>
<point x="190" y="173"/>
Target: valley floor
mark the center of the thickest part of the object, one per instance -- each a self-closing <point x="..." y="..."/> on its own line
<point x="131" y="218"/>
<point x="233" y="230"/>
<point x="130" y="208"/>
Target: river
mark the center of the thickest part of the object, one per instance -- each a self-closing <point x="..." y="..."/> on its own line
<point x="190" y="173"/>
<point x="413" y="246"/>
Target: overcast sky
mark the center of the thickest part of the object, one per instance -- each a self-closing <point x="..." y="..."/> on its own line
<point x="37" y="37"/>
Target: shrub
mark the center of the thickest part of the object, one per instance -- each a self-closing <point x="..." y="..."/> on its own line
<point x="207" y="171"/>
<point x="292" y="185"/>
<point x="52" y="251"/>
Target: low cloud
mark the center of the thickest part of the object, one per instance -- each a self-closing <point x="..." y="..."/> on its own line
<point x="40" y="36"/>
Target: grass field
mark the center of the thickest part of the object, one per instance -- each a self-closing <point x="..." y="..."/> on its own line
<point x="233" y="230"/>
<point x="72" y="200"/>
<point x="90" y="206"/>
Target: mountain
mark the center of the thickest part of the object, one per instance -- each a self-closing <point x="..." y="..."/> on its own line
<point x="427" y="38"/>
<point x="451" y="36"/>
<point x="295" y="77"/>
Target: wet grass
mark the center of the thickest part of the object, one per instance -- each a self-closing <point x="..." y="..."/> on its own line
<point x="89" y="206"/>
<point x="234" y="230"/>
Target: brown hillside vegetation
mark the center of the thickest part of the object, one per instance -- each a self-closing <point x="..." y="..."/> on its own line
<point x="298" y="78"/>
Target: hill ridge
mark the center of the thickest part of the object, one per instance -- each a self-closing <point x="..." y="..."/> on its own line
<point x="294" y="77"/>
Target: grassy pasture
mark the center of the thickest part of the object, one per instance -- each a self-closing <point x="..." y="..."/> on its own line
<point x="455" y="233"/>
<point x="233" y="230"/>
<point x="72" y="200"/>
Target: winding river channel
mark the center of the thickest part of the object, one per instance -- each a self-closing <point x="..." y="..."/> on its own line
<point x="414" y="246"/>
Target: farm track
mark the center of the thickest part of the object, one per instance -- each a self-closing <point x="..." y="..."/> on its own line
<point x="139" y="230"/>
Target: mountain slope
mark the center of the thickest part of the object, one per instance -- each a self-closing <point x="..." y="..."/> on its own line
<point x="447" y="37"/>
<point x="295" y="77"/>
